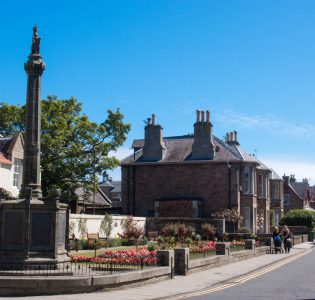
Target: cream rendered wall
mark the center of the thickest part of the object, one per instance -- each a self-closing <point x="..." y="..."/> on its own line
<point x="6" y="179"/>
<point x="93" y="223"/>
<point x="7" y="171"/>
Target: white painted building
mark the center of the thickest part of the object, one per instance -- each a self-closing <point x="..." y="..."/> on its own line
<point x="11" y="163"/>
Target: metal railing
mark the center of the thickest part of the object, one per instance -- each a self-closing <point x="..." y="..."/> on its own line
<point x="80" y="268"/>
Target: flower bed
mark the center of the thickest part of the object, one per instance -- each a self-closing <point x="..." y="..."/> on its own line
<point x="131" y="257"/>
<point x="202" y="249"/>
<point x="237" y="246"/>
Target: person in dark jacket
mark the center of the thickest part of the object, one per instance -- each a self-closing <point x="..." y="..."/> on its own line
<point x="287" y="238"/>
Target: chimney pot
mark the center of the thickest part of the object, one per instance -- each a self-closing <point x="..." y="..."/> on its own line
<point x="208" y="116"/>
<point x="198" y="115"/>
<point x="202" y="116"/>
<point x="149" y="121"/>
<point x="235" y="136"/>
<point x="153" y="119"/>
<point x="232" y="136"/>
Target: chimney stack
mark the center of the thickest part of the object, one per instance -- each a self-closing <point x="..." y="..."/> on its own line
<point x="232" y="139"/>
<point x="203" y="146"/>
<point x="154" y="147"/>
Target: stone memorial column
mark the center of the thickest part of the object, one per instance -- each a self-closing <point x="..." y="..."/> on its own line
<point x="34" y="68"/>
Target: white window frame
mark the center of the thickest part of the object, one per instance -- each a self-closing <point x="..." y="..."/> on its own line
<point x="17" y="172"/>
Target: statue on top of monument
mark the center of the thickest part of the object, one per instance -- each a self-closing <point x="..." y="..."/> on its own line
<point x="35" y="41"/>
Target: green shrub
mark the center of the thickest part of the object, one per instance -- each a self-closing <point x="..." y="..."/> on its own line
<point x="188" y="241"/>
<point x="197" y="237"/>
<point x="299" y="217"/>
<point x="115" y="243"/>
<point x="145" y="240"/>
<point x="160" y="239"/>
<point x="125" y="242"/>
<point x="152" y="246"/>
<point x="83" y="245"/>
<point x="244" y="230"/>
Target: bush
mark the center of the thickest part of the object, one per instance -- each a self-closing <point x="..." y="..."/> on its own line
<point x="131" y="230"/>
<point x="152" y="246"/>
<point x="160" y="239"/>
<point x="208" y="231"/>
<point x="244" y="230"/>
<point x="197" y="237"/>
<point x="83" y="245"/>
<point x="145" y="240"/>
<point x="188" y="241"/>
<point x="179" y="231"/>
<point x="115" y="243"/>
<point x="299" y="217"/>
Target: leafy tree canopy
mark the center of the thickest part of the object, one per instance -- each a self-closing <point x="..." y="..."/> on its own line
<point x="73" y="148"/>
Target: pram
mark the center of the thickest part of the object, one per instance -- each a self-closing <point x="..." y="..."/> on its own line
<point x="278" y="244"/>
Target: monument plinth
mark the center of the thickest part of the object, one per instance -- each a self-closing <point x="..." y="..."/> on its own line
<point x="33" y="229"/>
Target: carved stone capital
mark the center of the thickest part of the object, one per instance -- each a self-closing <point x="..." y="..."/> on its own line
<point x="35" y="67"/>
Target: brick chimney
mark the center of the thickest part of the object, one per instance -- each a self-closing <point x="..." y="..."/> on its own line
<point x="154" y="147"/>
<point x="292" y="179"/>
<point x="286" y="178"/>
<point x="203" y="146"/>
<point x="231" y="138"/>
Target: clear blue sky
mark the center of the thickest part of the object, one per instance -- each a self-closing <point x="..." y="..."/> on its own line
<point x="252" y="63"/>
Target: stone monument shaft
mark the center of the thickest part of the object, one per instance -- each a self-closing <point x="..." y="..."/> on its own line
<point x="34" y="68"/>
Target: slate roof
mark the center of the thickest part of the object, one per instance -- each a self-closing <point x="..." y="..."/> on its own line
<point x="301" y="188"/>
<point x="117" y="187"/>
<point x="5" y="143"/>
<point x="179" y="148"/>
<point x="100" y="198"/>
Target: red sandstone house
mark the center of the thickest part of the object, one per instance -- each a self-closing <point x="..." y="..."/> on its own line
<point x="298" y="194"/>
<point x="196" y="175"/>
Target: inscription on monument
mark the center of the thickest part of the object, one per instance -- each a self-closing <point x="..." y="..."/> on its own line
<point x="61" y="239"/>
<point x="13" y="238"/>
<point x="41" y="231"/>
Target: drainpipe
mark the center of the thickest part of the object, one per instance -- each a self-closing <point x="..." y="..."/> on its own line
<point x="229" y="167"/>
<point x="134" y="191"/>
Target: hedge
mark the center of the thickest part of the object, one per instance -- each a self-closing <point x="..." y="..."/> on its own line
<point x="299" y="217"/>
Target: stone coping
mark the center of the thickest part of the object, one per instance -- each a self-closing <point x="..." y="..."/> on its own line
<point x="35" y="286"/>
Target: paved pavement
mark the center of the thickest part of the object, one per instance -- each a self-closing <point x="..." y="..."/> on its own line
<point x="185" y="284"/>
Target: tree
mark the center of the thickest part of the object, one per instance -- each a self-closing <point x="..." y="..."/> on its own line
<point x="106" y="226"/>
<point x="73" y="148"/>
